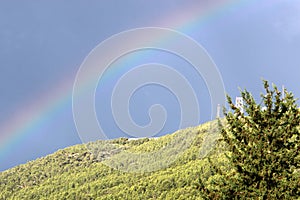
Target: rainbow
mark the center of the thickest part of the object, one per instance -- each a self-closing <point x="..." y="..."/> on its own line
<point x="25" y="123"/>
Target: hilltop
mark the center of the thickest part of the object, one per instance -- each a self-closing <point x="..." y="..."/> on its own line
<point x="76" y="173"/>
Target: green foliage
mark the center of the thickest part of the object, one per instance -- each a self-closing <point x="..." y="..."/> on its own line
<point x="264" y="150"/>
<point x="76" y="173"/>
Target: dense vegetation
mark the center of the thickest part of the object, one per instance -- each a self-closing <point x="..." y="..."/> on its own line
<point x="254" y="156"/>
<point x="264" y="149"/>
<point x="74" y="173"/>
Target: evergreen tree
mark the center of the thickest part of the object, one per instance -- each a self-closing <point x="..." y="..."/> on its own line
<point x="264" y="149"/>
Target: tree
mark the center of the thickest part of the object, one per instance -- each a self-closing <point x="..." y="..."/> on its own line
<point x="263" y="149"/>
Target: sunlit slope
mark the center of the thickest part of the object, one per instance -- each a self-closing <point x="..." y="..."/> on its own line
<point x="75" y="173"/>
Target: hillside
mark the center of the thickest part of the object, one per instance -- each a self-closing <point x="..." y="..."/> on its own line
<point x="75" y="173"/>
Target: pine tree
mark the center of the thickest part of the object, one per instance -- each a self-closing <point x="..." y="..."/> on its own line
<point x="264" y="149"/>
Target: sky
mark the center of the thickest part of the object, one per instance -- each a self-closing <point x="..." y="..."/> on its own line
<point x="44" y="43"/>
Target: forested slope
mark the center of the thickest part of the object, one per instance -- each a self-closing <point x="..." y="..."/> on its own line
<point x="75" y="173"/>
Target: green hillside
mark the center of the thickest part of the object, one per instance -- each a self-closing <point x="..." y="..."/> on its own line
<point x="75" y="173"/>
<point x="254" y="156"/>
